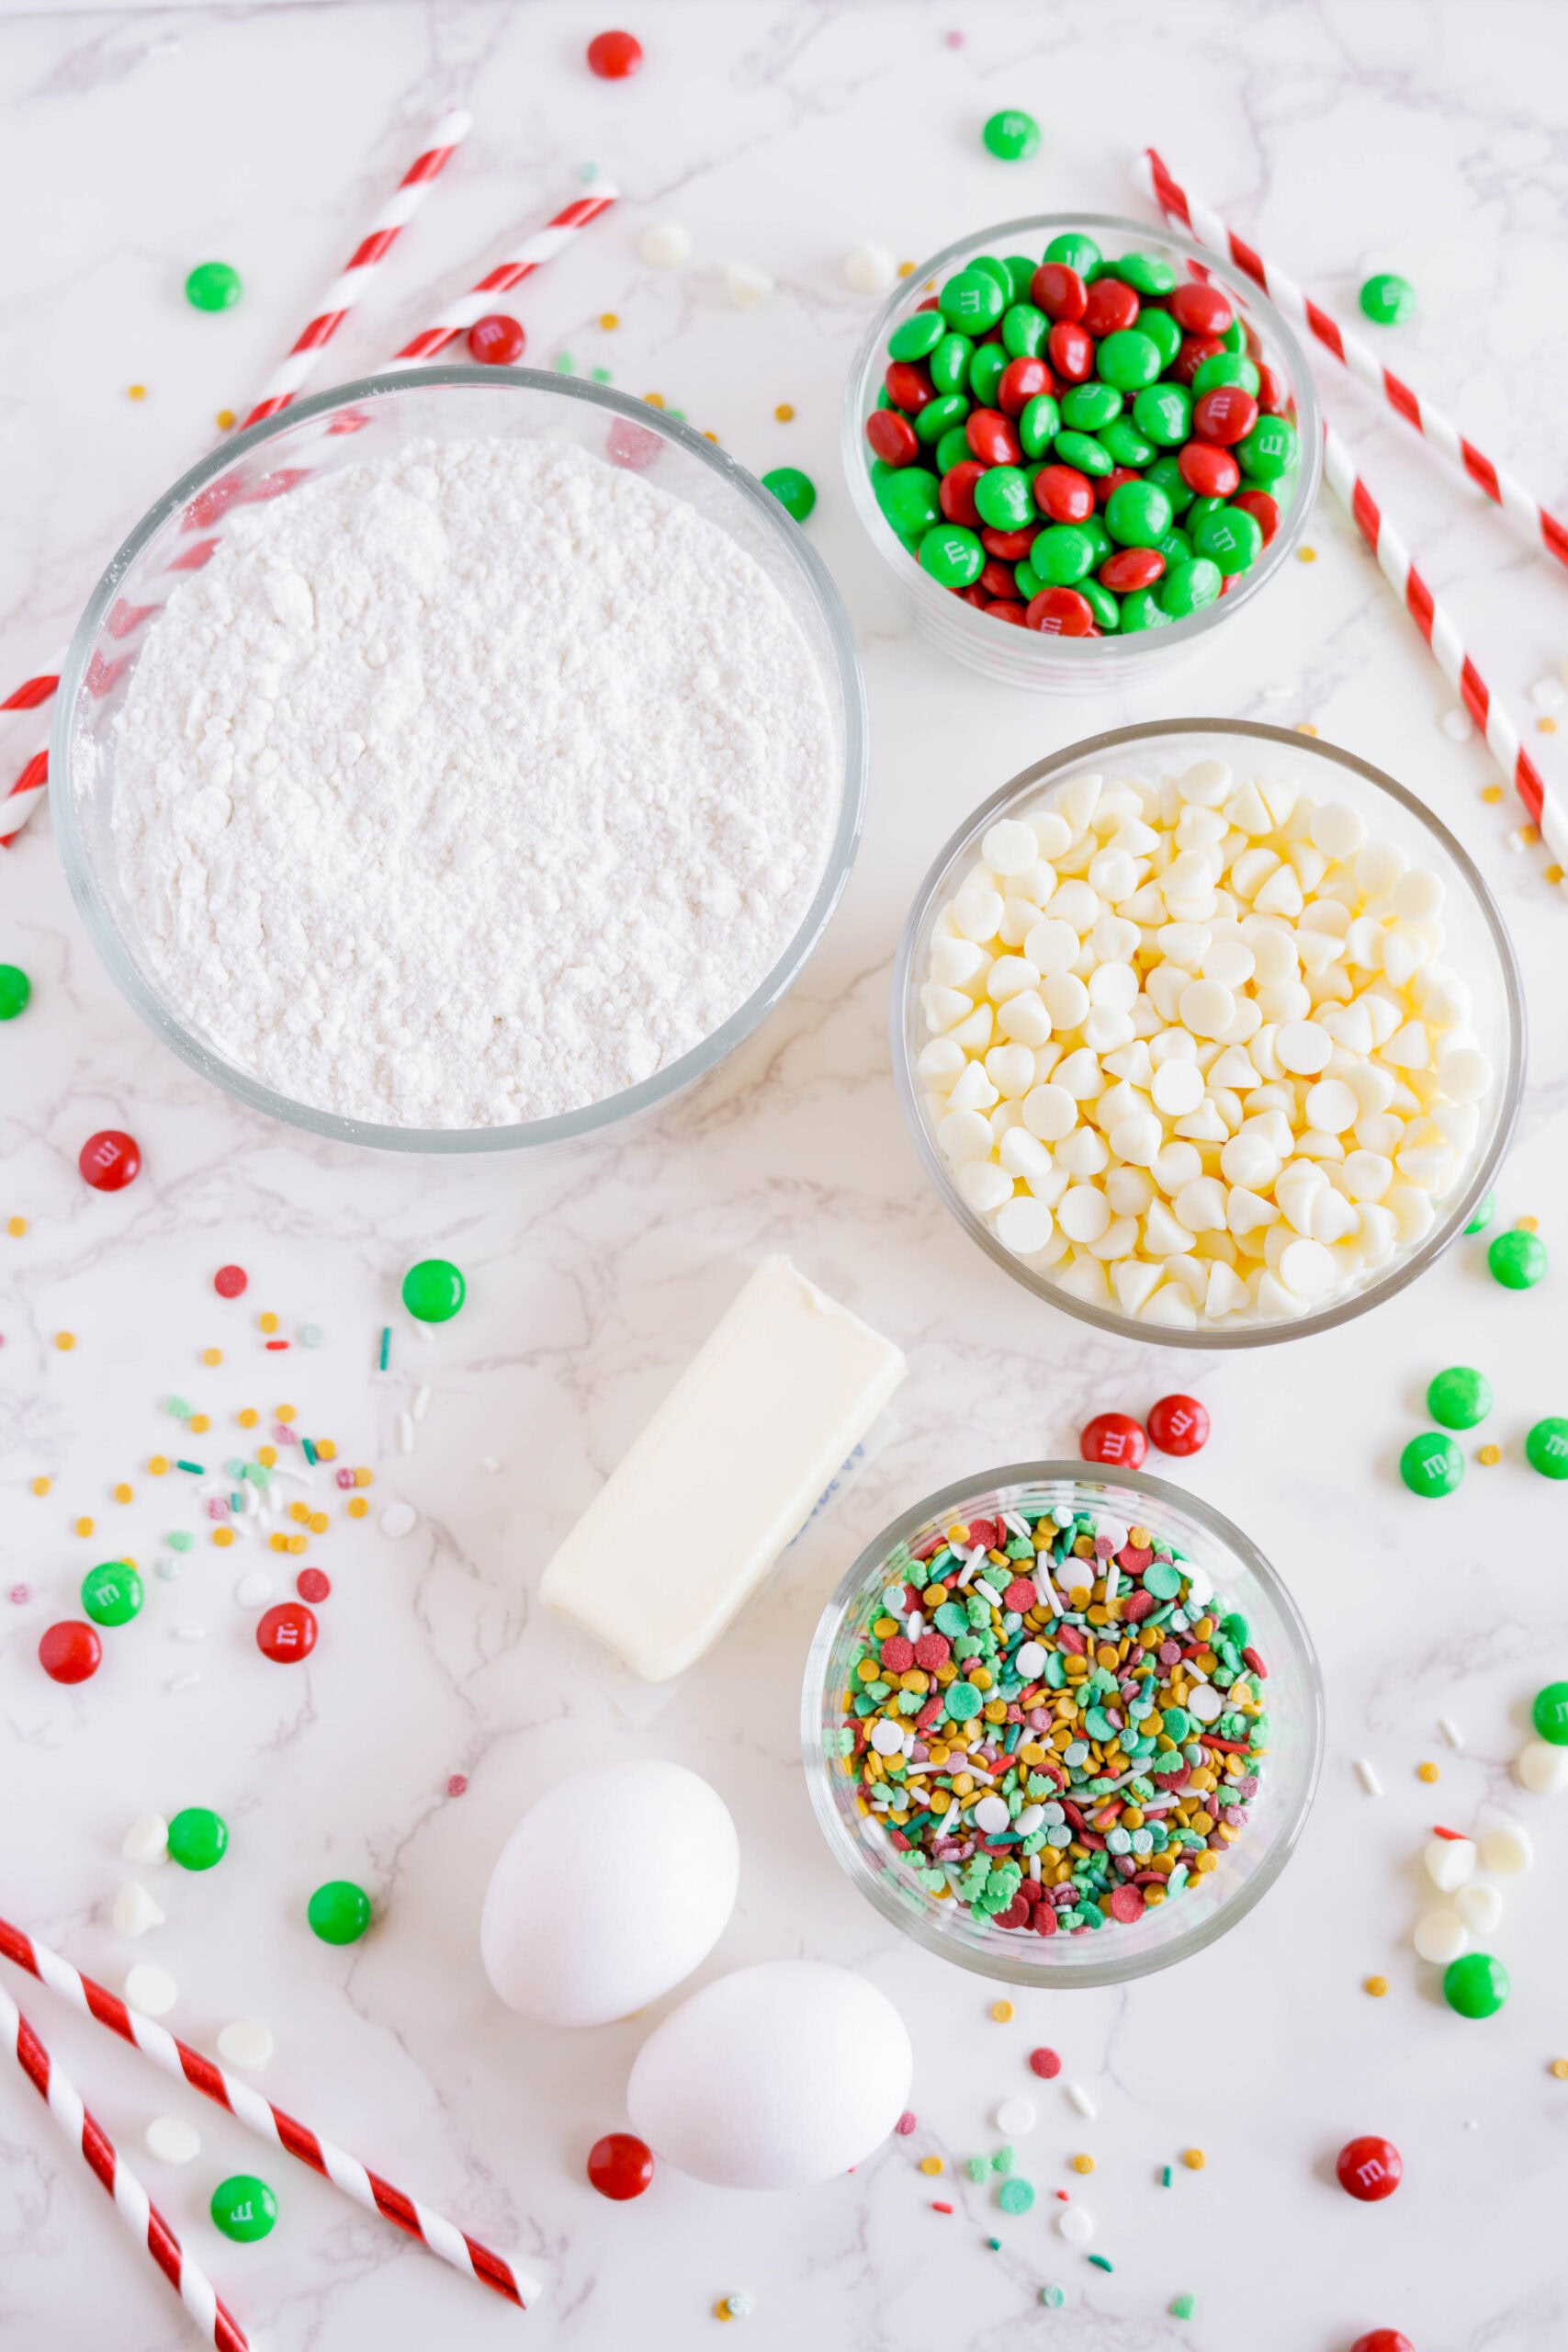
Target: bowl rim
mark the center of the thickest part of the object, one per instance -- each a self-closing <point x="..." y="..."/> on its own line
<point x="1174" y="635"/>
<point x="1445" y="1230"/>
<point x="818" y="1761"/>
<point x="588" y="1118"/>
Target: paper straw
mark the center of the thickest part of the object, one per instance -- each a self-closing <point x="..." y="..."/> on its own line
<point x="345" y="291"/>
<point x="31" y="692"/>
<point x="1504" y="489"/>
<point x="1437" y="627"/>
<point x="176" y="2058"/>
<point x="131" y="2201"/>
<point x="18" y="803"/>
<point x="541" y="247"/>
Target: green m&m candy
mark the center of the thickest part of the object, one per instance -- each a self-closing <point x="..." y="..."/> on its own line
<point x="1517" y="1258"/>
<point x="1484" y="1214"/>
<point x="1475" y="1986"/>
<point x="1549" y="1713"/>
<point x="1188" y="587"/>
<point x="1388" y="301"/>
<point x="953" y="555"/>
<point x="1162" y="332"/>
<point x="1226" y="368"/>
<point x="1074" y="251"/>
<point x="954" y="448"/>
<point x="1270" y="448"/>
<point x="243" y="2208"/>
<point x="339" y="1912"/>
<point x="1082" y="452"/>
<point x="1024" y="330"/>
<point x="1141" y="610"/>
<point x="1012" y="136"/>
<point x="1002" y="498"/>
<point x="1085" y="407"/>
<point x="1128" y="359"/>
<point x="111" y="1594"/>
<point x="950" y="362"/>
<point x="795" y="492"/>
<point x="986" y="369"/>
<point x="1062" y="554"/>
<point x="1165" y="412"/>
<point x="916" y="337"/>
<point x="1146" y="273"/>
<point x="973" y="301"/>
<point x="1546" y="1448"/>
<point x="213" y="286"/>
<point x="939" y="416"/>
<point x="198" y="1839"/>
<point x="907" y="496"/>
<point x="434" y="1289"/>
<point x="1039" y="424"/>
<point x="1125" y="442"/>
<point x="15" y="991"/>
<point x="1106" y="609"/>
<point x="1459" y="1397"/>
<point x="998" y="271"/>
<point x="1137" y="515"/>
<point x="1231" y="538"/>
<point x="1431" y="1465"/>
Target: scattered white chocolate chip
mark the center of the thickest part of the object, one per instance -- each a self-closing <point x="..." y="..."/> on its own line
<point x="1548" y="693"/>
<point x="869" y="269"/>
<point x="747" y="285"/>
<point x="1449" y="1862"/>
<point x="172" y="2140"/>
<point x="1479" y="1906"/>
<point x="1542" y="1768"/>
<point x="1507" y="1849"/>
<point x="398" y="1519"/>
<point x="151" y="1989"/>
<point x="246" y="2044"/>
<point x="1441" y="1936"/>
<point x="147" y="1839"/>
<point x="665" y="245"/>
<point x="1014" y="2117"/>
<point x="134" y="1911"/>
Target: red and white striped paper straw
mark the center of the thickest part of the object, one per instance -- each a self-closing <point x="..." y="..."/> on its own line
<point x="131" y="2201"/>
<point x="32" y="692"/>
<point x="186" y="2064"/>
<point x="541" y="247"/>
<point x="23" y="798"/>
<point x="1437" y="627"/>
<point x="1504" y="489"/>
<point x="344" y="292"/>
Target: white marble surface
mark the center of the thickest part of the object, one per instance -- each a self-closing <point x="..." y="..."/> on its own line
<point x="1428" y="138"/>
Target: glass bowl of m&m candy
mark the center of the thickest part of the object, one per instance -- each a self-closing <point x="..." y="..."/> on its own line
<point x="1062" y="1729"/>
<point x="1079" y="442"/>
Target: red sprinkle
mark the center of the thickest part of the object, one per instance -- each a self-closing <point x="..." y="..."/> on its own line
<point x="456" y="1783"/>
<point x="613" y="56"/>
<point x="230" y="1281"/>
<point x="1439" y="1831"/>
<point x="1046" y="2063"/>
<point x="312" y="1584"/>
<point x="906" y="2124"/>
<point x="273" y="1345"/>
<point x="939" y="2208"/>
<point x="1019" y="1594"/>
<point x="1125" y="1903"/>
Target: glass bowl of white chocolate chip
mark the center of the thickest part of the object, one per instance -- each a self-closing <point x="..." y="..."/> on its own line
<point x="1208" y="1032"/>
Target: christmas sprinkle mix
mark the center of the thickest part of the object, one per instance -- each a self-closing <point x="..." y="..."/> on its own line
<point x="1053" y="1719"/>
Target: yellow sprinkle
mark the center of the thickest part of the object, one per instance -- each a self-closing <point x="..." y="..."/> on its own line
<point x="653" y="400"/>
<point x="65" y="1341"/>
<point x="268" y="1322"/>
<point x="156" y="1465"/>
<point x="363" y="1478"/>
<point x="1194" y="2159"/>
<point x="1526" y="1224"/>
<point x="1306" y="728"/>
<point x="1082" y="2164"/>
<point x="301" y="1513"/>
<point x="1490" y="1455"/>
<point x="266" y="1456"/>
<point x="285" y="1413"/>
<point x="136" y="391"/>
<point x="905" y="269"/>
<point x="201" y="1423"/>
<point x="1554" y="873"/>
<point x="326" y="1451"/>
<point x="358" y="1507"/>
<point x="1546" y="726"/>
<point x="1560" y="2068"/>
<point x="1306" y="555"/>
<point x="122" y="1494"/>
<point x="320" y="1523"/>
<point x="16" y="1226"/>
<point x="785" y="413"/>
<point x="1377" y="1986"/>
<point x="295" y="1542"/>
<point x="1529" y="835"/>
<point x="248" y="1418"/>
<point x="223" y="1536"/>
<point x="1427" y="1773"/>
<point x="43" y="1486"/>
<point x="711" y="437"/>
<point x="212" y="1355"/>
<point x="931" y="2165"/>
<point x="608" y="320"/>
<point x="277" y="1541"/>
<point x="1492" y="793"/>
<point x="722" y="2311"/>
<point x="83" y="1527"/>
<point x="1002" y="2012"/>
<point x="224" y="420"/>
<point x="929" y="286"/>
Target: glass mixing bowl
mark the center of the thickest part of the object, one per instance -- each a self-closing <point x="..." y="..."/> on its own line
<point x="1024" y="657"/>
<point x="373" y="418"/>
<point x="1207" y="1907"/>
<point x="1478" y="949"/>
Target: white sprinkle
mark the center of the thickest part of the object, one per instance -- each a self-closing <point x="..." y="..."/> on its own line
<point x="1548" y="693"/>
<point x="421" y="1403"/>
<point x="1046" y="1589"/>
<point x="1035" y="1868"/>
<point x="398" y="1519"/>
<point x="1014" y="2117"/>
<point x="1075" y="2224"/>
<point x="1077" y="2097"/>
<point x="310" y="1335"/>
<point x="172" y="2140"/>
<point x="1516" y="841"/>
<point x="665" y="245"/>
<point x="1278" y="693"/>
<point x="488" y="1462"/>
<point x="147" y="1839"/>
<point x="134" y="1911"/>
<point x="405" y="1433"/>
<point x="187" y="1632"/>
<point x="1457" y="724"/>
<point x="185" y="1681"/>
<point x="747" y="285"/>
<point x="151" y="1989"/>
<point x="988" y="1591"/>
<point x="1113" y="1581"/>
<point x="166" y="1567"/>
<point x="253" y="1589"/>
<point x="288" y="1470"/>
<point x="247" y="2042"/>
<point x="1368" y="1778"/>
<point x="1451" y="1731"/>
<point x="869" y="269"/>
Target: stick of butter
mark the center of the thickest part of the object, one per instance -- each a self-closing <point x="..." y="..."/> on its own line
<point x="725" y="1475"/>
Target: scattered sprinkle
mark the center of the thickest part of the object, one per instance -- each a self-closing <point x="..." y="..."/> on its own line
<point x="1560" y="2068"/>
<point x="938" y="2207"/>
<point x="1305" y="727"/>
<point x="1078" y="2097"/>
<point x="268" y="1322"/>
<point x="16" y="1226"/>
<point x="43" y="1486"/>
<point x="224" y="420"/>
<point x="1368" y="1777"/>
<point x="1451" y="1731"/>
<point x="1490" y="1455"/>
<point x="1044" y="2062"/>
<point x="905" y="269"/>
<point x="1194" y="2159"/>
<point x="1306" y="555"/>
<point x="785" y="413"/>
<point x="608" y="320"/>
<point x="1100" y="2261"/>
<point x="1053" y="2297"/>
<point x="1002" y="2012"/>
<point x="1082" y="2164"/>
<point x="1183" y="2306"/>
<point x="65" y="1341"/>
<point x="931" y="2166"/>
<point x="20" y="1593"/>
<point x="457" y="1784"/>
<point x="1426" y="1772"/>
<point x="1546" y="726"/>
<point x="1457" y="724"/>
<point x="386" y="1353"/>
<point x="84" y="1526"/>
<point x="1377" y="1986"/>
<point x="136" y="391"/>
<point x="1492" y="793"/>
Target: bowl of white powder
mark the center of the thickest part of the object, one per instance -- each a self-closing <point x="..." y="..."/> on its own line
<point x="462" y="761"/>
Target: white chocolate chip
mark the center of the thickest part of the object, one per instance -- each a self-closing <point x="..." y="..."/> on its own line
<point x="1441" y="1936"/>
<point x="1449" y="1862"/>
<point x="246" y="2044"/>
<point x="172" y="2141"/>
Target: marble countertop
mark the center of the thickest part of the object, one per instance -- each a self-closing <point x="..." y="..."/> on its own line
<point x="1423" y="136"/>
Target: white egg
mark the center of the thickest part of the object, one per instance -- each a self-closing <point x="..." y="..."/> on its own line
<point x="611" y="1890"/>
<point x="773" y="2077"/>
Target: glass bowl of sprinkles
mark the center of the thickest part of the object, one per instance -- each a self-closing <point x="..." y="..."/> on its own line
<point x="1208" y="1032"/>
<point x="1062" y="1729"/>
<point x="1078" y="442"/>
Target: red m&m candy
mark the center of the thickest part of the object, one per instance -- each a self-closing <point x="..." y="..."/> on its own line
<point x="892" y="436"/>
<point x="230" y="1281"/>
<point x="1060" y="612"/>
<point x="620" y="2166"/>
<point x="1370" y="2169"/>
<point x="1200" y="309"/>
<point x="1178" y="1424"/>
<point x="495" y="340"/>
<point x="1111" y="307"/>
<point x="110" y="1161"/>
<point x="613" y="55"/>
<point x="286" y="1632"/>
<point x="1226" y="414"/>
<point x="1115" y="1437"/>
<point x="1207" y="469"/>
<point x="69" y="1652"/>
<point x="1383" y="2339"/>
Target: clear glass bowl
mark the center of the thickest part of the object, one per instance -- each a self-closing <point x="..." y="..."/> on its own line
<point x="1479" y="950"/>
<point x="1206" y="1908"/>
<point x="374" y="418"/>
<point x="1024" y="657"/>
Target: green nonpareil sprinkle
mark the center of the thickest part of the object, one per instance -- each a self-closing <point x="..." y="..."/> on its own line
<point x="386" y="1347"/>
<point x="180" y="1541"/>
<point x="1183" y="2306"/>
<point x="181" y="1409"/>
<point x="1100" y="2262"/>
<point x="308" y="1448"/>
<point x="196" y="1468"/>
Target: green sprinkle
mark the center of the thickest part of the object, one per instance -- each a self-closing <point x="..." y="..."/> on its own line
<point x="386" y="1347"/>
<point x="1052" y="2296"/>
<point x="1183" y="2306"/>
<point x="601" y="375"/>
<point x="1165" y="2176"/>
<point x="994" y="2244"/>
<point x="196" y="1468"/>
<point x="1004" y="2160"/>
<point x="308" y="1448"/>
<point x="1015" y="2194"/>
<point x="180" y="1541"/>
<point x="181" y="1410"/>
<point x="1100" y="2261"/>
<point x="977" y="2167"/>
<point x="564" y="364"/>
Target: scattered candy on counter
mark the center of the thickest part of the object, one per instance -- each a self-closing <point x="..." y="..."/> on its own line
<point x="197" y="1839"/>
<point x="433" y="1290"/>
<point x="613" y="56"/>
<point x="213" y="286"/>
<point x="110" y="1160"/>
<point x="151" y="1989"/>
<point x="243" y="2208"/>
<point x="665" y="245"/>
<point x="1458" y="1397"/>
<point x="1053" y="1719"/>
<point x="1546" y="1447"/>
<point x="1388" y="301"/>
<point x="1431" y="1465"/>
<point x="1114" y="1438"/>
<point x="1179" y="1425"/>
<point x="134" y="1912"/>
<point x="172" y="2140"/>
<point x="339" y="1912"/>
<point x="795" y="492"/>
<point x="1475" y="1986"/>
<point x="16" y="990"/>
<point x="287" y="1632"/>
<point x="496" y="340"/>
<point x="69" y="1652"/>
<point x="1382" y="2339"/>
<point x="1517" y="1258"/>
<point x="620" y="2166"/>
<point x="1011" y="136"/>
<point x="112" y="1594"/>
<point x="747" y="285"/>
<point x="246" y="2044"/>
<point x="869" y="269"/>
<point x="1046" y="2063"/>
<point x="1129" y="500"/>
<point x="1370" y="2169"/>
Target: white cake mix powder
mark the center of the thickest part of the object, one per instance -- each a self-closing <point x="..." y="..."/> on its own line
<point x="472" y="785"/>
